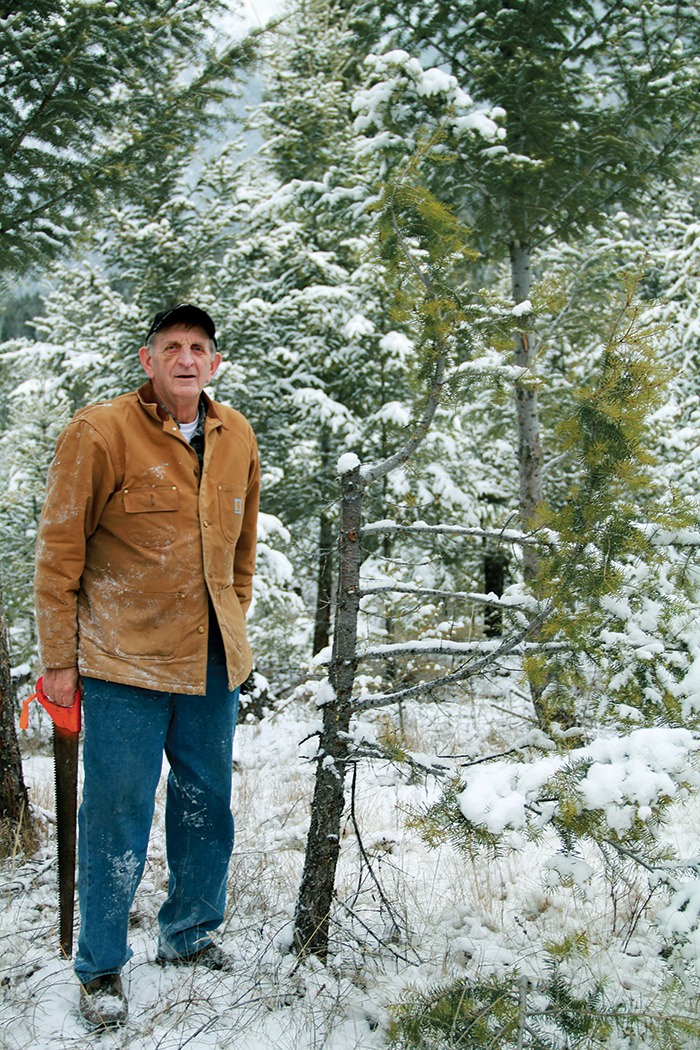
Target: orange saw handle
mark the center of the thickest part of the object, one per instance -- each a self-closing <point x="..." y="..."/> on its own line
<point x="67" y="718"/>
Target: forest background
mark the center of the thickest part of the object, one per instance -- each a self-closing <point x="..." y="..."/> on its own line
<point x="453" y="253"/>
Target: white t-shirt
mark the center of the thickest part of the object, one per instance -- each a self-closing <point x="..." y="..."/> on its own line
<point x="188" y="429"/>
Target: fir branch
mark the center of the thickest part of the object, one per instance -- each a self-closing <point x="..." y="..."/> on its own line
<point x="33" y="117"/>
<point x="591" y="31"/>
<point x="559" y="231"/>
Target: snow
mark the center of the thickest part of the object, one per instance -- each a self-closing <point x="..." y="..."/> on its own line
<point x="563" y="866"/>
<point x="466" y="917"/>
<point x="396" y="343"/>
<point x="436" y="81"/>
<point x="689" y="687"/>
<point x="394" y="412"/>
<point x="396" y="73"/>
<point x="347" y="462"/>
<point x="496" y="795"/>
<point x="317" y="405"/>
<point x="626" y="778"/>
<point x="358" y="326"/>
<point x="325" y="694"/>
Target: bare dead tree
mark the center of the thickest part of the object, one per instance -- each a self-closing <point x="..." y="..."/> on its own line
<point x="15" y="821"/>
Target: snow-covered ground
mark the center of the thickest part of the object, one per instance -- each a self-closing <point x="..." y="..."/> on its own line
<point x="451" y="915"/>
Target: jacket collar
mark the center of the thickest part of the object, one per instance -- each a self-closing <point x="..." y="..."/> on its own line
<point x="148" y="399"/>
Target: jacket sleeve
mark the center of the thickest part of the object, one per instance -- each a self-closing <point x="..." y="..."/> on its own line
<point x="81" y="479"/>
<point x="244" y="558"/>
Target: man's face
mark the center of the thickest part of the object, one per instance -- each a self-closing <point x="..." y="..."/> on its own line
<point x="180" y="364"/>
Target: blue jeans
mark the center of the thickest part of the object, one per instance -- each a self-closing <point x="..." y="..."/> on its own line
<point x="127" y="730"/>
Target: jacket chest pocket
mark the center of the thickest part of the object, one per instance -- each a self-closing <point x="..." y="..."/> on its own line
<point x="151" y="515"/>
<point x="231" y="507"/>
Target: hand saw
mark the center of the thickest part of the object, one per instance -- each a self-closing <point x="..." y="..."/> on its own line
<point x="66" y="731"/>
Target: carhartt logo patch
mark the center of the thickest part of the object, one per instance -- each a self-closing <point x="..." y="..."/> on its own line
<point x="238" y="506"/>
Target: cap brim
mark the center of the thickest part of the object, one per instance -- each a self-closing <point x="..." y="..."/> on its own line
<point x="186" y="314"/>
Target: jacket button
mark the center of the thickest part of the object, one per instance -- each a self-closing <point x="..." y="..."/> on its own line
<point x="205" y="524"/>
<point x="201" y="629"/>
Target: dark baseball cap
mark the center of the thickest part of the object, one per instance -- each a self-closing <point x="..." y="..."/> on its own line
<point x="184" y="313"/>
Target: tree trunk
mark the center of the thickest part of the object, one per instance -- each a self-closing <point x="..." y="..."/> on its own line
<point x="322" y="620"/>
<point x="311" y="921"/>
<point x="530" y="461"/>
<point x="527" y="408"/>
<point x="14" y="802"/>
<point x="495" y="566"/>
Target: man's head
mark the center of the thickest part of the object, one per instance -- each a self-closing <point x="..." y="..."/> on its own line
<point x="180" y="358"/>
<point x="183" y="313"/>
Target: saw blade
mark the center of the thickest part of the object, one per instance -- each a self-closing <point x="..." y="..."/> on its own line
<point x="65" y="749"/>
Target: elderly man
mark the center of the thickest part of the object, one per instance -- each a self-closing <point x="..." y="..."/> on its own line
<point x="144" y="567"/>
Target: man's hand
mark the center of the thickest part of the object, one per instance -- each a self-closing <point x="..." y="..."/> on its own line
<point x="60" y="684"/>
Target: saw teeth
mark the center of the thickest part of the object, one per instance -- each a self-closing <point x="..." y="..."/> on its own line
<point x="65" y="749"/>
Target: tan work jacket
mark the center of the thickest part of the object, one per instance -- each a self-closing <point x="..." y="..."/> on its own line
<point x="131" y="543"/>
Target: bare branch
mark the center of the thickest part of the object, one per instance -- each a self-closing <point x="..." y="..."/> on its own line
<point x="363" y="852"/>
<point x="508" y="647"/>
<point x="542" y="538"/>
<point x="380" y="470"/>
<point x="428" y="592"/>
<point x="518" y="750"/>
<point x="423" y="766"/>
<point x="445" y="647"/>
<point x="378" y="939"/>
<point x="630" y="854"/>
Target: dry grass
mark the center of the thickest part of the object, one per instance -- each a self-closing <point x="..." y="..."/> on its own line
<point x="20" y="838"/>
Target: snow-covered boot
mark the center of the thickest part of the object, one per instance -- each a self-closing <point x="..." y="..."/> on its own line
<point x="103" y="1002"/>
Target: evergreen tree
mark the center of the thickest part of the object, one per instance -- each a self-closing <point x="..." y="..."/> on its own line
<point x="594" y="104"/>
<point x="600" y="576"/>
<point x="37" y="411"/>
<point x="94" y="318"/>
<point x="98" y="101"/>
<point x="593" y="107"/>
<point x="309" y="300"/>
<point x="93" y="100"/>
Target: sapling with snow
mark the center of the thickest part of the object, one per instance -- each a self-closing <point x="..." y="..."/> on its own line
<point x="420" y="238"/>
<point x="621" y="745"/>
